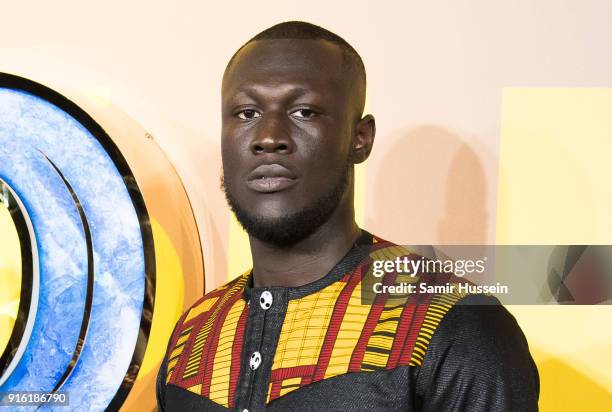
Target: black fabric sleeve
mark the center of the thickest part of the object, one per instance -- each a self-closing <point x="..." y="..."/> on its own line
<point x="478" y="360"/>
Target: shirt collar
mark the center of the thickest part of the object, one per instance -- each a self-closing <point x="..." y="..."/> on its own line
<point x="353" y="257"/>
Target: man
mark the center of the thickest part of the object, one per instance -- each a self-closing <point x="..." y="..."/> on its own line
<point x="293" y="333"/>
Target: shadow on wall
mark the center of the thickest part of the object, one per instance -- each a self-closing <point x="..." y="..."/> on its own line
<point x="427" y="185"/>
<point x="430" y="187"/>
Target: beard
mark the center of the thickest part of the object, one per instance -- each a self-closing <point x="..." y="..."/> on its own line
<point x="287" y="230"/>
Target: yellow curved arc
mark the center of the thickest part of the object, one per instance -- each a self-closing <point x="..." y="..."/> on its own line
<point x="10" y="275"/>
<point x="169" y="296"/>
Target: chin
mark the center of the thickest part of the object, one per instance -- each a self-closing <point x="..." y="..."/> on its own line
<point x="272" y="218"/>
<point x="271" y="209"/>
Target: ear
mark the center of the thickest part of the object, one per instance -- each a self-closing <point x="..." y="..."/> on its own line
<point x="363" y="139"/>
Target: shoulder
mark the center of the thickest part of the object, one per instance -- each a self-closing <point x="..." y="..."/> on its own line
<point x="443" y="318"/>
<point x="479" y="354"/>
<point x="210" y="308"/>
<point x="409" y="303"/>
<point x="480" y="316"/>
<point x="213" y="301"/>
<point x="479" y="325"/>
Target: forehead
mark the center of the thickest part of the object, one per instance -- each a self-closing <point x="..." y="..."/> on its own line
<point x="313" y="64"/>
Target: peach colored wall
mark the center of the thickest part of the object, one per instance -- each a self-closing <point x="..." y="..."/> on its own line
<point x="436" y="73"/>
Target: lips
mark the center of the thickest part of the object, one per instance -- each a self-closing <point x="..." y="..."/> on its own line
<point x="271" y="178"/>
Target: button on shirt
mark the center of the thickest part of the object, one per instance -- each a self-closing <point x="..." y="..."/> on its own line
<point x="266" y="300"/>
<point x="320" y="347"/>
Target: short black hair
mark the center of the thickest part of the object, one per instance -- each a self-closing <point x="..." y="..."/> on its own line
<point x="307" y="31"/>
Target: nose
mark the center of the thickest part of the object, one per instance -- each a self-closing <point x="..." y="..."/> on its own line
<point x="272" y="136"/>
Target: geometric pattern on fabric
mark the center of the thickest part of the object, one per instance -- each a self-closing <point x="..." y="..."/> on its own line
<point x="343" y="335"/>
<point x="439" y="306"/>
<point x="205" y="348"/>
<point x="304" y="328"/>
<point x="324" y="334"/>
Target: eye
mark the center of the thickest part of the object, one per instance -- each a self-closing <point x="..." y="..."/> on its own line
<point x="248" y="114"/>
<point x="304" y="113"/>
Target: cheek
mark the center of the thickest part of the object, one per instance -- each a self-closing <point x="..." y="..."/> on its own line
<point x="231" y="174"/>
<point x="324" y="172"/>
<point x="226" y="161"/>
<point x="231" y="155"/>
<point x="328" y="158"/>
<point x="326" y="141"/>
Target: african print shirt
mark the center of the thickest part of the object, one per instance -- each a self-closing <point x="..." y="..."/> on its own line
<point x="320" y="347"/>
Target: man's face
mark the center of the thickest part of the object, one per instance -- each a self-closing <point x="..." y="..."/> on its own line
<point x="287" y="122"/>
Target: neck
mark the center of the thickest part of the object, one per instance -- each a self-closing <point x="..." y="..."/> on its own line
<point x="311" y="258"/>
